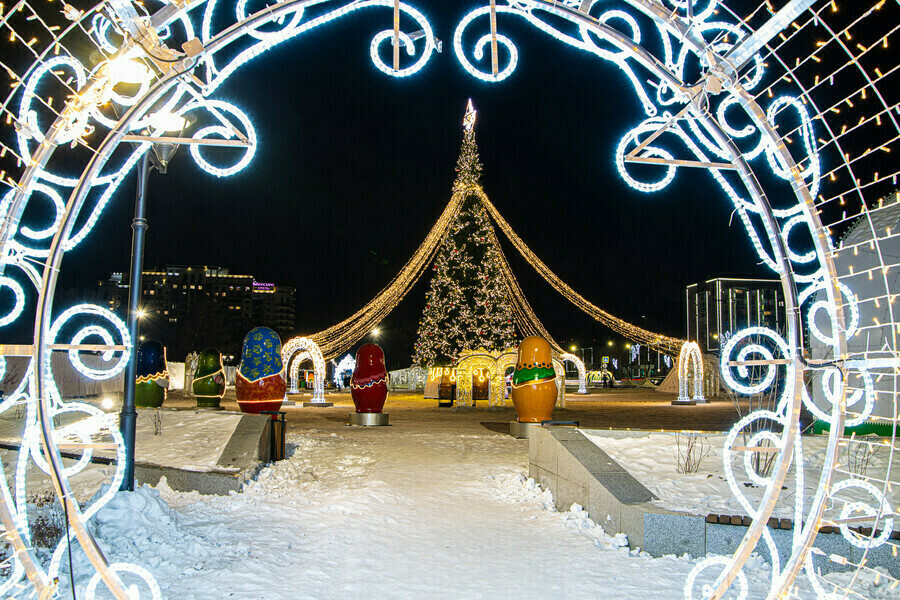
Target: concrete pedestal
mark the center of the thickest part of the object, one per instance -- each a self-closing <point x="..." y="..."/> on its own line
<point x="287" y="402"/>
<point x="368" y="419"/>
<point x="522" y="430"/>
<point x="680" y="402"/>
<point x="322" y="404"/>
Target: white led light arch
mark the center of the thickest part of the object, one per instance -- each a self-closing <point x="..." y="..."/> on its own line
<point x="579" y="366"/>
<point x="295" y="351"/>
<point x="699" y="117"/>
<point x="690" y="356"/>
<point x="81" y="116"/>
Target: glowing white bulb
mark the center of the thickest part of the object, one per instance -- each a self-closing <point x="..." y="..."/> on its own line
<point x="127" y="70"/>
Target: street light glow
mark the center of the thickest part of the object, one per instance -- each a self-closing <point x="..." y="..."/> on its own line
<point x="127" y="70"/>
<point x="375" y="332"/>
<point x="572" y="348"/>
<point x="609" y="343"/>
<point x="167" y="121"/>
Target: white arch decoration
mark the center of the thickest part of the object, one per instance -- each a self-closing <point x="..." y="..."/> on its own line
<point x="731" y="120"/>
<point x="297" y="350"/>
<point x="505" y="361"/>
<point x="560" y="369"/>
<point x="690" y="355"/>
<point x="347" y="364"/>
<point x="582" y="372"/>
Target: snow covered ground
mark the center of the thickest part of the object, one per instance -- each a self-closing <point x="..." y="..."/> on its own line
<point x="385" y="514"/>
<point x="652" y="461"/>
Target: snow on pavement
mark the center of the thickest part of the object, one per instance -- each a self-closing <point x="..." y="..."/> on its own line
<point x="369" y="515"/>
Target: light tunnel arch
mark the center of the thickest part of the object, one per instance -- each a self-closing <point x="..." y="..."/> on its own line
<point x="690" y="370"/>
<point x="298" y="350"/>
<point x="579" y="366"/>
<point x="655" y="10"/>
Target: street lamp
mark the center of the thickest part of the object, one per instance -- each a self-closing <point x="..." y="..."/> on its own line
<point x="159" y="154"/>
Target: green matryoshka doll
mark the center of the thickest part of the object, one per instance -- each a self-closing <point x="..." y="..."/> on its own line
<point x="152" y="380"/>
<point x="209" y="379"/>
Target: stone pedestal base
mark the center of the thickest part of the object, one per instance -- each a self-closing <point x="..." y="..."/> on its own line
<point x="322" y="404"/>
<point x="368" y="419"/>
<point x="683" y="402"/>
<point x="521" y="430"/>
<point x="288" y="403"/>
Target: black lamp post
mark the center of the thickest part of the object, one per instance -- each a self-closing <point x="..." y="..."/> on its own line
<point x="157" y="156"/>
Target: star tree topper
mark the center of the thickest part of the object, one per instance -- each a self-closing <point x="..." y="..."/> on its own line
<point x="469" y="118"/>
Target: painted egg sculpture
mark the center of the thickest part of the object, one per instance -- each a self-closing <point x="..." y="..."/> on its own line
<point x="368" y="386"/>
<point x="259" y="383"/>
<point x="152" y="379"/>
<point x="534" y="381"/>
<point x="209" y="379"/>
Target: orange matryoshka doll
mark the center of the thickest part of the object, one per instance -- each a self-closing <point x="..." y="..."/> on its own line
<point x="534" y="381"/>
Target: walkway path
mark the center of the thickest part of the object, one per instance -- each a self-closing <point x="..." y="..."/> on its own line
<point x="384" y="513"/>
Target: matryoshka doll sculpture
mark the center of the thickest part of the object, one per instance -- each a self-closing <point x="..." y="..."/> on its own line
<point x="259" y="383"/>
<point x="209" y="379"/>
<point x="368" y="386"/>
<point x="534" y="381"/>
<point x="152" y="379"/>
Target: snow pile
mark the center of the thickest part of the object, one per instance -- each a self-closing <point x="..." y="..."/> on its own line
<point x="140" y="527"/>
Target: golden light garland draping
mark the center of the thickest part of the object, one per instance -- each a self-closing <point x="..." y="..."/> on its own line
<point x="339" y="338"/>
<point x="668" y="345"/>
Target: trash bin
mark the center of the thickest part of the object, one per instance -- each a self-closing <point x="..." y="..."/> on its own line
<point x="276" y="434"/>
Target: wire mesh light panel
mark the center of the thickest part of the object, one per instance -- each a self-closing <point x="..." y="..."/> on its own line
<point x="790" y="106"/>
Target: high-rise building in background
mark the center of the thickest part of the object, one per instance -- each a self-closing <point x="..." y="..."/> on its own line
<point x="170" y="295"/>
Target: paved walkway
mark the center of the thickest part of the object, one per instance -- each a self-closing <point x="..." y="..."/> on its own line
<point x="637" y="408"/>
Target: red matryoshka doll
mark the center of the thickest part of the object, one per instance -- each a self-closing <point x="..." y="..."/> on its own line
<point x="368" y="386"/>
<point x="534" y="381"/>
<point x="259" y="383"/>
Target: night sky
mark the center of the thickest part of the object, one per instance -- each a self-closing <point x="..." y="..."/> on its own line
<point x="353" y="168"/>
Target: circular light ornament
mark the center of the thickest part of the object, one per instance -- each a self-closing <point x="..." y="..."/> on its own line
<point x="226" y="133"/>
<point x="18" y="303"/>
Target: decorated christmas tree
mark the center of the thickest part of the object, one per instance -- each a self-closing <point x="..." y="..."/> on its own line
<point x="466" y="305"/>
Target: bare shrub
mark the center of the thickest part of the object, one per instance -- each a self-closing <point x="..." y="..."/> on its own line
<point x="860" y="452"/>
<point x="690" y="450"/>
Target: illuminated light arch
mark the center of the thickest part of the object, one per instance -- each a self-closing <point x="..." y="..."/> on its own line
<point x="690" y="356"/>
<point x="468" y="362"/>
<point x="582" y="371"/>
<point x="347" y="364"/>
<point x="699" y="119"/>
<point x="560" y="369"/>
<point x="505" y="361"/>
<point x="299" y="349"/>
